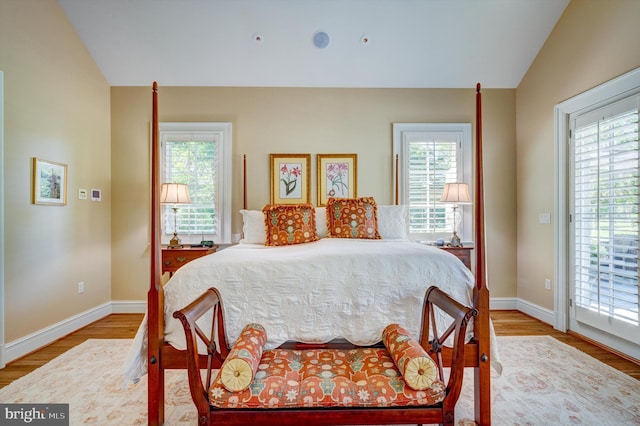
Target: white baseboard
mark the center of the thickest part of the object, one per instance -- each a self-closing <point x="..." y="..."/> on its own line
<point x="128" y="306"/>
<point x="503" y="303"/>
<point x="36" y="340"/>
<point x="515" y="303"/>
<point x="25" y="345"/>
<point x="538" y="312"/>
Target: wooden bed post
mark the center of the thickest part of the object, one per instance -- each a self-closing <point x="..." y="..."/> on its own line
<point x="482" y="373"/>
<point x="155" y="297"/>
<point x="161" y="357"/>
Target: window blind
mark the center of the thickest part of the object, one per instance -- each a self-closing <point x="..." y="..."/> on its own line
<point x="190" y="158"/>
<point x="606" y="201"/>
<point x="430" y="155"/>
<point x="432" y="163"/>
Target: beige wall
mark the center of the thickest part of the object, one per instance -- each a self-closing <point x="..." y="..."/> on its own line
<point x="57" y="108"/>
<point x="298" y="120"/>
<point x="593" y="42"/>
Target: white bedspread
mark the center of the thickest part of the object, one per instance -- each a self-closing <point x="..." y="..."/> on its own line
<point x="313" y="292"/>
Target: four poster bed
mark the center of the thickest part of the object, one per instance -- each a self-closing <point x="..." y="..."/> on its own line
<point x="320" y="305"/>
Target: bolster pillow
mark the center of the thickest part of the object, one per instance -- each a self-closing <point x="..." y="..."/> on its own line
<point x="416" y="366"/>
<point x="238" y="369"/>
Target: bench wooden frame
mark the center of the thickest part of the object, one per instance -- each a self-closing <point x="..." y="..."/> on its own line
<point x="162" y="356"/>
<point x="442" y="412"/>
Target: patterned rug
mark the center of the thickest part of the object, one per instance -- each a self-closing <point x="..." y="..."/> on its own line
<point x="544" y="382"/>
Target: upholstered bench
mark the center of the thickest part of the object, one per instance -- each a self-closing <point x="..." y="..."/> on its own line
<point x="399" y="382"/>
<point x="360" y="377"/>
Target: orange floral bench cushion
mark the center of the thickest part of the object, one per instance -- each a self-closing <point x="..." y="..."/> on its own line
<point x="363" y="377"/>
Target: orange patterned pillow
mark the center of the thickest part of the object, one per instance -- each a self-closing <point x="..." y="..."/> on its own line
<point x="416" y="366"/>
<point x="352" y="218"/>
<point x="289" y="224"/>
<point x="238" y="369"/>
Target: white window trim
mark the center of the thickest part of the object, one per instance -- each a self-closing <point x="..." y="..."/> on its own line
<point x="464" y="165"/>
<point x="224" y="174"/>
<point x="617" y="88"/>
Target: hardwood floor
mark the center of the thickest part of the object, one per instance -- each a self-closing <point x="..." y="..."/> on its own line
<point x="124" y="326"/>
<point x="115" y="326"/>
<point x="515" y="323"/>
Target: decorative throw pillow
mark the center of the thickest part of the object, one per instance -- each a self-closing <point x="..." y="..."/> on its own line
<point x="239" y="368"/>
<point x="352" y="218"/>
<point x="416" y="366"/>
<point x="289" y="224"/>
<point x="252" y="227"/>
<point x="393" y="222"/>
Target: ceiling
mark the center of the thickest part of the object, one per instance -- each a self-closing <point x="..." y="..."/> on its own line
<point x="269" y="43"/>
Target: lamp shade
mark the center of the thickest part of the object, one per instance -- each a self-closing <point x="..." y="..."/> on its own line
<point x="457" y="193"/>
<point x="175" y="193"/>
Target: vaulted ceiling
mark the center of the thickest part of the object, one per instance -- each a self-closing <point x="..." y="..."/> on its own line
<point x="369" y="43"/>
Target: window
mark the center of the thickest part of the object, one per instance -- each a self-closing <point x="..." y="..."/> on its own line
<point x="431" y="155"/>
<point x="605" y="199"/>
<point x="199" y="155"/>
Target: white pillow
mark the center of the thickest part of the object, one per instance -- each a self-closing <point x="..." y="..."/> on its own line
<point x="321" y="222"/>
<point x="393" y="222"/>
<point x="253" y="227"/>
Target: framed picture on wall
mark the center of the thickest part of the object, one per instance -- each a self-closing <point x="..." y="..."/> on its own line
<point x="49" y="183"/>
<point x="337" y="176"/>
<point x="290" y="178"/>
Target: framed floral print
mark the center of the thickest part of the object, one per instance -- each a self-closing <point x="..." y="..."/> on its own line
<point x="290" y="178"/>
<point x="49" y="183"/>
<point x="337" y="176"/>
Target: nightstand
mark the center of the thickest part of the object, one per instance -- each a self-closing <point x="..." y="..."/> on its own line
<point x="462" y="253"/>
<point x="174" y="258"/>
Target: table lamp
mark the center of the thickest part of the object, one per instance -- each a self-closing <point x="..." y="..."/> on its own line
<point x="175" y="193"/>
<point x="455" y="193"/>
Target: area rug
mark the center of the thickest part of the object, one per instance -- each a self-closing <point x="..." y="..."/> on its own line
<point x="544" y="382"/>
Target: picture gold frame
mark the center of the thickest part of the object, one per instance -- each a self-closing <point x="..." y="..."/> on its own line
<point x="337" y="176"/>
<point x="290" y="178"/>
<point x="49" y="183"/>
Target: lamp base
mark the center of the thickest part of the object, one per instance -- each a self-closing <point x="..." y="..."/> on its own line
<point x="455" y="240"/>
<point x="175" y="242"/>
